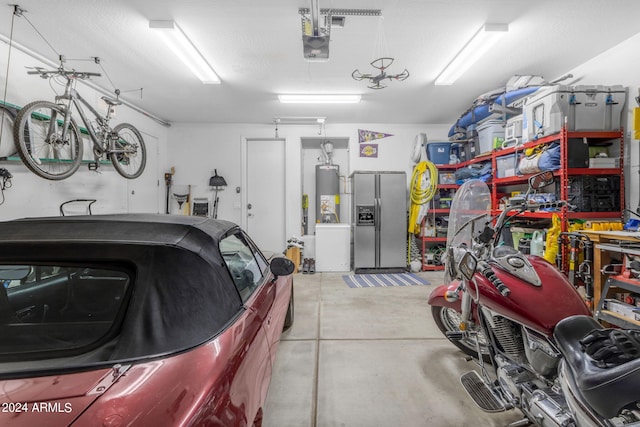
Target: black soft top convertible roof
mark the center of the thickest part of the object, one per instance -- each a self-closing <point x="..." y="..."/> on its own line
<point x="182" y="292"/>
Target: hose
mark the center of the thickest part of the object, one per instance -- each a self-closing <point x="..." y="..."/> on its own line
<point x="420" y="195"/>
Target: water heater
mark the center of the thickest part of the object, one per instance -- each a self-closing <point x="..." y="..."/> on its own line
<point x="327" y="193"/>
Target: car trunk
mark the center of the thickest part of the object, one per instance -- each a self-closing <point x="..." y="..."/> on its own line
<point x="51" y="400"/>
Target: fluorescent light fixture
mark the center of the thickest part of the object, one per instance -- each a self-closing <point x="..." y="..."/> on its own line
<point x="480" y="44"/>
<point x="184" y="49"/>
<point x="298" y="120"/>
<point x="319" y="99"/>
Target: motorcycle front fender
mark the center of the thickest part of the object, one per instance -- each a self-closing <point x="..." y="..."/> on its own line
<point x="437" y="297"/>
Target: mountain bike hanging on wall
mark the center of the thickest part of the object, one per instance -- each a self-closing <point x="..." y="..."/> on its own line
<point x="49" y="141"/>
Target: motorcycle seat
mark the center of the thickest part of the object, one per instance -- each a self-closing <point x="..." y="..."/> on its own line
<point x="607" y="389"/>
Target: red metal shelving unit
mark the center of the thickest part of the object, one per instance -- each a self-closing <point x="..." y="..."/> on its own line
<point x="595" y="138"/>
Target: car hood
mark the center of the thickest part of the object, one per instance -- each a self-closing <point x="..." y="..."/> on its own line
<point x="52" y="400"/>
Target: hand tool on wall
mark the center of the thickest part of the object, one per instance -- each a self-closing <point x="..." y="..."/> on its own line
<point x="168" y="178"/>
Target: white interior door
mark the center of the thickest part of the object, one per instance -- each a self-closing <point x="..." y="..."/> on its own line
<point x="264" y="208"/>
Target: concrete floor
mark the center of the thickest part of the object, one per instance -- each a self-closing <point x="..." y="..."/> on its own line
<point x="369" y="357"/>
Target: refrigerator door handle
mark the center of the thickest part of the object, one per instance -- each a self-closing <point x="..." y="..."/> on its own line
<point x="378" y="221"/>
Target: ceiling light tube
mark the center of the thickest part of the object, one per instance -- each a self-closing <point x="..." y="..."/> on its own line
<point x="482" y="41"/>
<point x="319" y="99"/>
<point x="184" y="49"/>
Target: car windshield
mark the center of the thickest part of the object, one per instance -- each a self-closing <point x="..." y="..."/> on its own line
<point x="246" y="267"/>
<point x="58" y="310"/>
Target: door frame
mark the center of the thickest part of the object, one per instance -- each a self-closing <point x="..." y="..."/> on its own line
<point x="244" y="180"/>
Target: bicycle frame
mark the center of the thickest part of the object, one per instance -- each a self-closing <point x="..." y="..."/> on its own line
<point x="72" y="95"/>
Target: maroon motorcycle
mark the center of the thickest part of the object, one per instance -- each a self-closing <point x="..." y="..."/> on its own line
<point x="530" y="332"/>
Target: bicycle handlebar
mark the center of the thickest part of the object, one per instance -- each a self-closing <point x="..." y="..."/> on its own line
<point x="66" y="73"/>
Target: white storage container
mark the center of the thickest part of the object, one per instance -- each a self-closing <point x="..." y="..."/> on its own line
<point x="597" y="107"/>
<point x="586" y="108"/>
<point x="490" y="135"/>
<point x="545" y="111"/>
<point x="604" y="162"/>
<point x="513" y="131"/>
<point x="506" y="165"/>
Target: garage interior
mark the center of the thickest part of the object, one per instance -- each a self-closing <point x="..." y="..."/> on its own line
<point x="230" y="146"/>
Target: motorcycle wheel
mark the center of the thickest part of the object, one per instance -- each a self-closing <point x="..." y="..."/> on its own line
<point x="447" y="320"/>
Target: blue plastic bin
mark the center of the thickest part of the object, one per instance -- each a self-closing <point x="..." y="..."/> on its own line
<point x="439" y="152"/>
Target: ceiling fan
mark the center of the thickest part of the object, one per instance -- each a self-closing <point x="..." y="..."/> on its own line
<point x="376" y="80"/>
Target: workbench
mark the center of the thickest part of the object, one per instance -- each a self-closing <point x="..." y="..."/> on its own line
<point x="605" y="244"/>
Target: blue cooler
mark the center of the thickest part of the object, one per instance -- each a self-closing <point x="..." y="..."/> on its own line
<point x="439" y="152"/>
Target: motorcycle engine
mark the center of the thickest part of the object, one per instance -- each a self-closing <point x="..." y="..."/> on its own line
<point x="526" y="368"/>
<point x="522" y="345"/>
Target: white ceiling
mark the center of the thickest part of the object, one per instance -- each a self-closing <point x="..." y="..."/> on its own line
<point x="256" y="48"/>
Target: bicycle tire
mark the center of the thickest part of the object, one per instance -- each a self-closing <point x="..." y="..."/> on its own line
<point x="131" y="156"/>
<point x="8" y="117"/>
<point x="48" y="156"/>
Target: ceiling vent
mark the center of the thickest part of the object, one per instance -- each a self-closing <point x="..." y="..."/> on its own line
<point x="337" y="21"/>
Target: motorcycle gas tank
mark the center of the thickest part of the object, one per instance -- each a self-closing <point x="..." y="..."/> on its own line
<point x="537" y="307"/>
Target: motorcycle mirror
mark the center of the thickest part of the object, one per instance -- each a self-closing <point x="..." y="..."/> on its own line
<point x="540" y="180"/>
<point x="467" y="265"/>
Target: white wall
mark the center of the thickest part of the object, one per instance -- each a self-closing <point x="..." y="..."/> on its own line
<point x="619" y="65"/>
<point x="34" y="196"/>
<point x="197" y="149"/>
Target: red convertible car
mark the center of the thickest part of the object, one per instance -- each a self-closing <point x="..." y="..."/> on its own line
<point x="137" y="320"/>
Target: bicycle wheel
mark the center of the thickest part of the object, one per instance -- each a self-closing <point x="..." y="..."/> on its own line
<point x="7" y="120"/>
<point x="128" y="153"/>
<point x="38" y="135"/>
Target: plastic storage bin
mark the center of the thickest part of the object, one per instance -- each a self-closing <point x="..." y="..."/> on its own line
<point x="490" y="136"/>
<point x="446" y="178"/>
<point x="439" y="152"/>
<point x="597" y="107"/>
<point x="513" y="131"/>
<point x="545" y="111"/>
<point x="586" y="108"/>
<point x="506" y="165"/>
<point x="461" y="151"/>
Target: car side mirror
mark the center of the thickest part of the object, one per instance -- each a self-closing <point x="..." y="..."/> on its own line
<point x="281" y="266"/>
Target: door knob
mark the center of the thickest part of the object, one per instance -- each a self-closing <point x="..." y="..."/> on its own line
<point x="249" y="206"/>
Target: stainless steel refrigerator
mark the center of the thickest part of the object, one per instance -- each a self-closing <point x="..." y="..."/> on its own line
<point x="379" y="220"/>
